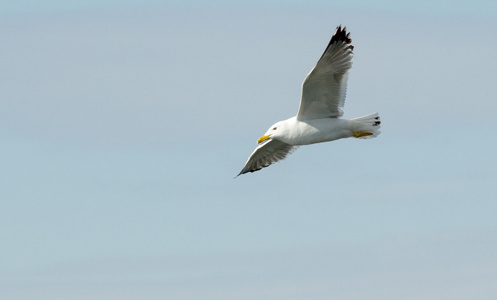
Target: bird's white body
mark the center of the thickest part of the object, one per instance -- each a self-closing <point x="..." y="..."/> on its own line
<point x="294" y="132"/>
<point x="315" y="131"/>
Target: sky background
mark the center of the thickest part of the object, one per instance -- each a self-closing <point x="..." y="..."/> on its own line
<point x="123" y="123"/>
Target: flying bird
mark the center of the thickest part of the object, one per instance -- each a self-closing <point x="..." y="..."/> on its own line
<point x="319" y="116"/>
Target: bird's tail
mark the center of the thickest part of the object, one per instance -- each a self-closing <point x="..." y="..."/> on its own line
<point x="366" y="127"/>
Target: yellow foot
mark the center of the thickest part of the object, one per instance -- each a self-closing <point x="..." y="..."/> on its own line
<point x="358" y="134"/>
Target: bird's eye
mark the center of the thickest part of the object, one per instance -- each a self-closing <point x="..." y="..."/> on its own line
<point x="274" y="128"/>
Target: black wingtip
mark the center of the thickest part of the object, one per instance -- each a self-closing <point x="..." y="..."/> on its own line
<point x="249" y="171"/>
<point x="341" y="35"/>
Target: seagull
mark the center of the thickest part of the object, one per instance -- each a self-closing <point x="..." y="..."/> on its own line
<point x="318" y="118"/>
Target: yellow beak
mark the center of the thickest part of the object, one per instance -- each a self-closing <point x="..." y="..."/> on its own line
<point x="262" y="139"/>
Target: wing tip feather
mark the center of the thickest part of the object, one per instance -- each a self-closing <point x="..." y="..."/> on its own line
<point x="341" y="35"/>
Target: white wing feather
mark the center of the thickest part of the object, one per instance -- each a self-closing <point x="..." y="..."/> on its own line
<point x="324" y="88"/>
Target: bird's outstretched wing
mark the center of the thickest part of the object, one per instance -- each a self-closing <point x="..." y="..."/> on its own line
<point x="267" y="153"/>
<point x="324" y="88"/>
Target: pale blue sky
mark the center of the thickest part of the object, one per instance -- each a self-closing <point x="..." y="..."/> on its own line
<point x="122" y="127"/>
<point x="436" y="7"/>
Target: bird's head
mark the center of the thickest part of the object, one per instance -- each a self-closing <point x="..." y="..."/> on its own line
<point x="272" y="133"/>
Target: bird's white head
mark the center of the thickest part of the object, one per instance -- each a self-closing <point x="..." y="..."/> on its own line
<point x="273" y="132"/>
